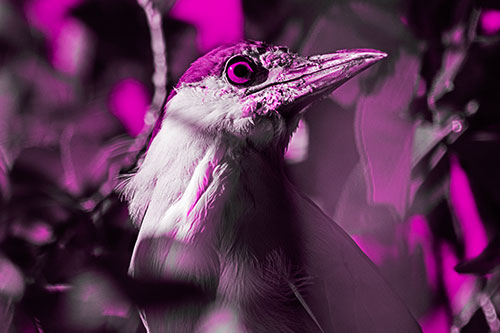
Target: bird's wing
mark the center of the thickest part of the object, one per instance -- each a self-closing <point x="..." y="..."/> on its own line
<point x="347" y="293"/>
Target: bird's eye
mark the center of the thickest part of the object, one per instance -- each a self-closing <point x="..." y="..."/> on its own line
<point x="239" y="70"/>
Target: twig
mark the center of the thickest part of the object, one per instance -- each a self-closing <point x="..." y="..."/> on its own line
<point x="160" y="64"/>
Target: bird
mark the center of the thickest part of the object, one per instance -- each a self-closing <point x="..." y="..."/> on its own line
<point x="214" y="206"/>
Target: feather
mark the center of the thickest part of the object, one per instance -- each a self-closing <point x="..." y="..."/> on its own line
<point x="347" y="293"/>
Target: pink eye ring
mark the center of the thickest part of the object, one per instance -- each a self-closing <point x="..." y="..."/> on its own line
<point x="239" y="71"/>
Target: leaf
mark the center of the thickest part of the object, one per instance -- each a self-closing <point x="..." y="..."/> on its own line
<point x="12" y="281"/>
<point x="386" y="137"/>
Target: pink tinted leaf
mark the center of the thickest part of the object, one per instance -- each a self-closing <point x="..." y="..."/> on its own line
<point x="129" y="101"/>
<point x="37" y="233"/>
<point x="217" y="22"/>
<point x="11" y="280"/>
<point x="92" y="300"/>
<point x="386" y="137"/>
<point x="469" y="221"/>
<point x="490" y="21"/>
<point x="453" y="58"/>
<point x="48" y="15"/>
<point x="421" y="236"/>
<point x="435" y="321"/>
<point x="71" y="49"/>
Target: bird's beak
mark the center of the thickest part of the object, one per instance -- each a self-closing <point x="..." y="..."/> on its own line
<point x="329" y="71"/>
<point x="316" y="76"/>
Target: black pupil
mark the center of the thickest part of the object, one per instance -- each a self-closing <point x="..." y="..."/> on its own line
<point x="241" y="71"/>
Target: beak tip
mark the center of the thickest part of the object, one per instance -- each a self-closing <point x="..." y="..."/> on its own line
<point x="371" y="57"/>
<point x="375" y="55"/>
<point x="383" y="55"/>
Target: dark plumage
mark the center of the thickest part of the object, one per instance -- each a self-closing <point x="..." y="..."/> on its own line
<point x="215" y="207"/>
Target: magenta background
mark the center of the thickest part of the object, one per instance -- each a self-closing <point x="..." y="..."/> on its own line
<point x="354" y="159"/>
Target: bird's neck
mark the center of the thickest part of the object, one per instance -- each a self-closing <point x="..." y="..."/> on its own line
<point x="191" y="186"/>
<point x="257" y="213"/>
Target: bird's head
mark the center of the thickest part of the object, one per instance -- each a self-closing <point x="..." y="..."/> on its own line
<point x="256" y="92"/>
<point x="245" y="97"/>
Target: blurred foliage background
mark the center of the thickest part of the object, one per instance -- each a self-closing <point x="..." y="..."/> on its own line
<point x="405" y="157"/>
